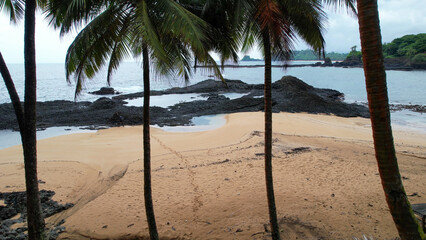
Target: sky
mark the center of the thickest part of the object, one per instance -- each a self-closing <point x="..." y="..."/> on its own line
<point x="397" y="18"/>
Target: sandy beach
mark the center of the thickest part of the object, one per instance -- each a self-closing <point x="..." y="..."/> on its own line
<point x="210" y="185"/>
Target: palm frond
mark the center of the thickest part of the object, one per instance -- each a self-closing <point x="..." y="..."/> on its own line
<point x="189" y="27"/>
<point x="349" y="5"/>
<point x="148" y="32"/>
<point x="120" y="50"/>
<point x="15" y="8"/>
<point x="69" y="14"/>
<point x="93" y="45"/>
<point x="268" y="15"/>
<point x="307" y="20"/>
<point x="251" y="35"/>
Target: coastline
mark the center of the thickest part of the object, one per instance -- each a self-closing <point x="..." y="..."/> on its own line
<point x="290" y="94"/>
<point x="209" y="185"/>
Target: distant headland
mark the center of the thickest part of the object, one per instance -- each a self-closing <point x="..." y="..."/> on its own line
<point x="248" y="58"/>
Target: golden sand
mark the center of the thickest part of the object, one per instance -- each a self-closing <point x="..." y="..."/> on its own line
<point x="210" y="185"/>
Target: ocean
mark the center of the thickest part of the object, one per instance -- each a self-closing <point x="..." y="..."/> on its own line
<point x="404" y="87"/>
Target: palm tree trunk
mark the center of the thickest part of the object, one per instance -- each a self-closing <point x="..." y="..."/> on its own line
<point x="268" y="137"/>
<point x="29" y="140"/>
<point x="14" y="97"/>
<point x="375" y="78"/>
<point x="149" y="208"/>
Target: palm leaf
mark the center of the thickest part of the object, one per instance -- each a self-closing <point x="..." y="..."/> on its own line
<point x="306" y="19"/>
<point x="349" y="5"/>
<point x="148" y="31"/>
<point x="120" y="49"/>
<point x="92" y="46"/>
<point x="70" y="14"/>
<point x="15" y="8"/>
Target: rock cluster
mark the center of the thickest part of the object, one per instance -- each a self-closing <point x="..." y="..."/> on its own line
<point x="288" y="95"/>
<point x="15" y="203"/>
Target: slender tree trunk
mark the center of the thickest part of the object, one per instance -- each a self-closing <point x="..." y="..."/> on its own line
<point x="268" y="137"/>
<point x="29" y="141"/>
<point x="375" y="78"/>
<point x="149" y="208"/>
<point x="14" y="97"/>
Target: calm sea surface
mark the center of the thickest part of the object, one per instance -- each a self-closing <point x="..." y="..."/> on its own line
<point x="405" y="87"/>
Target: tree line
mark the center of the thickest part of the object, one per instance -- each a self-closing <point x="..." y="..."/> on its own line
<point x="172" y="37"/>
<point x="310" y="55"/>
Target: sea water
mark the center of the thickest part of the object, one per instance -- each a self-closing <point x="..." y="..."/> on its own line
<point x="404" y="87"/>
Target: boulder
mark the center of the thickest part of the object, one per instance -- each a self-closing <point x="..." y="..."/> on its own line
<point x="105" y="91"/>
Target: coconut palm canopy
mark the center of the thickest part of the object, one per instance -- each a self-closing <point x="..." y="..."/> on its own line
<point x="275" y="24"/>
<point x="286" y="20"/>
<point x="15" y="9"/>
<point x="117" y="29"/>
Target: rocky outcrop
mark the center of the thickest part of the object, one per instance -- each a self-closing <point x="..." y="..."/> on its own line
<point x="15" y="203"/>
<point x="105" y="91"/>
<point x="289" y="95"/>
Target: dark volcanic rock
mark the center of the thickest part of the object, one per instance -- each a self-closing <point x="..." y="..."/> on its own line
<point x="414" y="108"/>
<point x="103" y="103"/>
<point x="293" y="95"/>
<point x="289" y="95"/>
<point x="105" y="91"/>
<point x="16" y="204"/>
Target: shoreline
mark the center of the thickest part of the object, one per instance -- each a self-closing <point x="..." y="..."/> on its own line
<point x="209" y="185"/>
<point x="290" y="94"/>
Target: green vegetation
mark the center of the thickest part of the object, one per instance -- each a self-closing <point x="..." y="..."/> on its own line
<point x="354" y="55"/>
<point x="248" y="58"/>
<point x="419" y="58"/>
<point x="311" y="55"/>
<point x="407" y="46"/>
<point x="407" y="51"/>
<point x="307" y="55"/>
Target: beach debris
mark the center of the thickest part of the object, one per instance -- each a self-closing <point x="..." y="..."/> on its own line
<point x="414" y="194"/>
<point x="298" y="150"/>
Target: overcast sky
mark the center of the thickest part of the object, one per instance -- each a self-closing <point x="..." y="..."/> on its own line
<point x="397" y="18"/>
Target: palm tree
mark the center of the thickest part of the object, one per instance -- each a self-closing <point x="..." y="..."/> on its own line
<point x="276" y="25"/>
<point x="27" y="116"/>
<point x="378" y="103"/>
<point x="163" y="32"/>
<point x="224" y="18"/>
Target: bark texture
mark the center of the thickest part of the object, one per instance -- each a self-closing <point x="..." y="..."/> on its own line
<point x="149" y="208"/>
<point x="268" y="137"/>
<point x="14" y="97"/>
<point x="375" y="78"/>
<point x="29" y="140"/>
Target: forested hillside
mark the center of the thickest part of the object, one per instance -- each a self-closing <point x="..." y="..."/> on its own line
<point x="310" y="55"/>
<point x="406" y="46"/>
